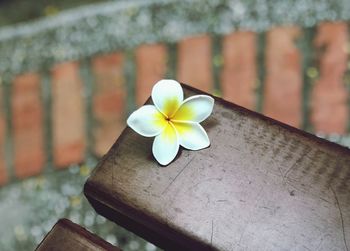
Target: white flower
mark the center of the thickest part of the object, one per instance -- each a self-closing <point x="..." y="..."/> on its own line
<point x="172" y="120"/>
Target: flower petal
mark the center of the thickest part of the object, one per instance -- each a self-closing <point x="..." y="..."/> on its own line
<point x="192" y="135"/>
<point x="147" y="121"/>
<point x="196" y="108"/>
<point x="167" y="95"/>
<point x="166" y="145"/>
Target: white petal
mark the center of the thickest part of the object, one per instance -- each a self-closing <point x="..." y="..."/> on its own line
<point x="196" y="108"/>
<point x="166" y="145"/>
<point x="192" y="135"/>
<point x="147" y="121"/>
<point x="167" y="96"/>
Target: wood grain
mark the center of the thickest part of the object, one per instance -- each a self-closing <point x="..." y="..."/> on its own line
<point x="261" y="185"/>
<point x="68" y="236"/>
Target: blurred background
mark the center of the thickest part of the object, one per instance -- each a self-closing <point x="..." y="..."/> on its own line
<point x="72" y="71"/>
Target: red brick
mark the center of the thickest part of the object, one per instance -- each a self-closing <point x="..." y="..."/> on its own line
<point x="283" y="85"/>
<point x="239" y="76"/>
<point x="68" y="115"/>
<point x="151" y="61"/>
<point x="27" y="112"/>
<point x="109" y="101"/>
<point x="195" y="62"/>
<point x="3" y="174"/>
<point x="330" y="113"/>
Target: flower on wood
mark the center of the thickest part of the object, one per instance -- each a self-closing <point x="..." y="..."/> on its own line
<point x="172" y="120"/>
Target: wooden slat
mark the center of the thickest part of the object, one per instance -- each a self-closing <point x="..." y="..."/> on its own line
<point x="109" y="101"/>
<point x="239" y="75"/>
<point x="330" y="112"/>
<point x="67" y="115"/>
<point x="151" y="63"/>
<point x="27" y="114"/>
<point x="261" y="185"/>
<point x="283" y="86"/>
<point x="68" y="236"/>
<point x="194" y="65"/>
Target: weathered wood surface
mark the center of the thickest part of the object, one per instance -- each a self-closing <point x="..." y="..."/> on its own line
<point x="68" y="236"/>
<point x="261" y="185"/>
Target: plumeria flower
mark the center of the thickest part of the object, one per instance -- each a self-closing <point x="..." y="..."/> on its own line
<point x="172" y="120"/>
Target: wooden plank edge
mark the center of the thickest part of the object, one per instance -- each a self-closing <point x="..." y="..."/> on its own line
<point x="138" y="222"/>
<point x="82" y="232"/>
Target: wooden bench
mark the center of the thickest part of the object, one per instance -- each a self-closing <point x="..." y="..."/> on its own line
<point x="68" y="236"/>
<point x="261" y="185"/>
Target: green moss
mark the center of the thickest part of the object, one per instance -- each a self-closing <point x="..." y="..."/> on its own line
<point x="16" y="11"/>
<point x="121" y="25"/>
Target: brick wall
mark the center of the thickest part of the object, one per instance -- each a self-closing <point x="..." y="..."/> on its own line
<point x="151" y="61"/>
<point x="239" y="73"/>
<point x="109" y="101"/>
<point x="330" y="110"/>
<point x="67" y="115"/>
<point x="27" y="124"/>
<point x="283" y="83"/>
<point x="281" y="89"/>
<point x="3" y="174"/>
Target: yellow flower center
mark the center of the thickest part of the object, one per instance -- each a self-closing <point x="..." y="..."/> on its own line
<point x="170" y="107"/>
<point x="173" y="117"/>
